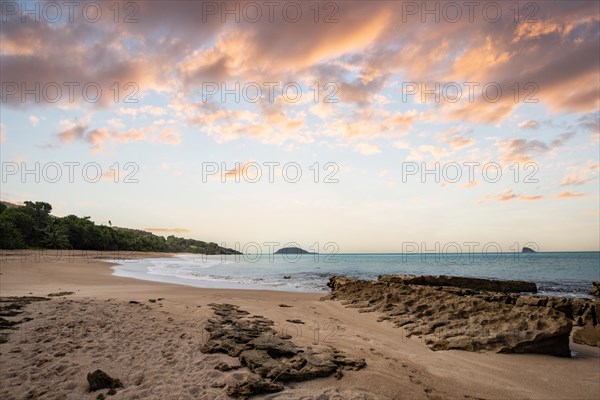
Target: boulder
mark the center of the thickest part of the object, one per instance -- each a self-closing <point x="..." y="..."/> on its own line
<point x="100" y="380"/>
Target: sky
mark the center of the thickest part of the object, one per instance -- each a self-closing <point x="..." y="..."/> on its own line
<point x="339" y="126"/>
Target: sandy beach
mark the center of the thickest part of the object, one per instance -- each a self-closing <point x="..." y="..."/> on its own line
<point x="149" y="335"/>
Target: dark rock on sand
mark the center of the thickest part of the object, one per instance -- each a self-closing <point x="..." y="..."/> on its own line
<point x="268" y="355"/>
<point x="462" y="282"/>
<point x="595" y="289"/>
<point x="60" y="294"/>
<point x="454" y="318"/>
<point x="100" y="380"/>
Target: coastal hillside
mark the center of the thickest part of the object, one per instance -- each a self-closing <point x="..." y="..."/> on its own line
<point x="33" y="226"/>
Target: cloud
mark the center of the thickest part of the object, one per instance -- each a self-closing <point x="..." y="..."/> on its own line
<point x="506" y="196"/>
<point x="402" y="144"/>
<point x="531" y="197"/>
<point x="72" y="133"/>
<point x="366" y="53"/>
<point x="591" y="123"/>
<point x="509" y="195"/>
<point x="529" y="124"/>
<point x="455" y="138"/>
<point x="434" y="151"/>
<point x="570" y="195"/>
<point x="367" y="149"/>
<point x="580" y="175"/>
<point x="34" y="120"/>
<point x="523" y="150"/>
<point x="471" y="184"/>
<point x="169" y="136"/>
<point x="99" y="137"/>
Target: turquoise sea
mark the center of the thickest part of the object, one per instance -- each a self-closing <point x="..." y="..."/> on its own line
<point x="564" y="274"/>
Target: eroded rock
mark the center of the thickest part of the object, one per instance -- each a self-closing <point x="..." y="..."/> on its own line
<point x="252" y="385"/>
<point x="588" y="335"/>
<point x="270" y="357"/>
<point x="458" y="319"/>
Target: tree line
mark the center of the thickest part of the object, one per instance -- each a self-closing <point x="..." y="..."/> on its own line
<point x="33" y="226"/>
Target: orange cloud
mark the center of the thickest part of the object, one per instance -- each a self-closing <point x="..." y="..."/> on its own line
<point x="570" y="195"/>
<point x="509" y="195"/>
<point x="582" y="174"/>
<point x="531" y="197"/>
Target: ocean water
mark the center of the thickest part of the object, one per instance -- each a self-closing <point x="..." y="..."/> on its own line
<point x="561" y="274"/>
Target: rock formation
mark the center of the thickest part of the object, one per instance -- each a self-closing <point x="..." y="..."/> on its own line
<point x="462" y="282"/>
<point x="457" y="318"/>
<point x="528" y="250"/>
<point x="272" y="359"/>
<point x="589" y="335"/>
<point x="595" y="289"/>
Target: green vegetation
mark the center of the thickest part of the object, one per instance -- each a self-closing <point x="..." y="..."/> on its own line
<point x="32" y="226"/>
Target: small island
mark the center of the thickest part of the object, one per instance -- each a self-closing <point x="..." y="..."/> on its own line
<point x="292" y="250"/>
<point x="528" y="250"/>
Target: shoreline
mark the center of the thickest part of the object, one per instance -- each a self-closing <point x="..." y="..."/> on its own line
<point x="222" y="272"/>
<point x="394" y="363"/>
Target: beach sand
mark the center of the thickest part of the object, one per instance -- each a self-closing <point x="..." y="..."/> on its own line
<point x="154" y="347"/>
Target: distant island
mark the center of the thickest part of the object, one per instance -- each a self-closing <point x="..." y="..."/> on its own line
<point x="292" y="250"/>
<point x="528" y="250"/>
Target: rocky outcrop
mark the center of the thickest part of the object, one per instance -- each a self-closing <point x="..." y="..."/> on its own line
<point x="462" y="282"/>
<point x="595" y="289"/>
<point x="528" y="250"/>
<point x="269" y="356"/>
<point x="456" y="318"/>
<point x="589" y="335"/>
